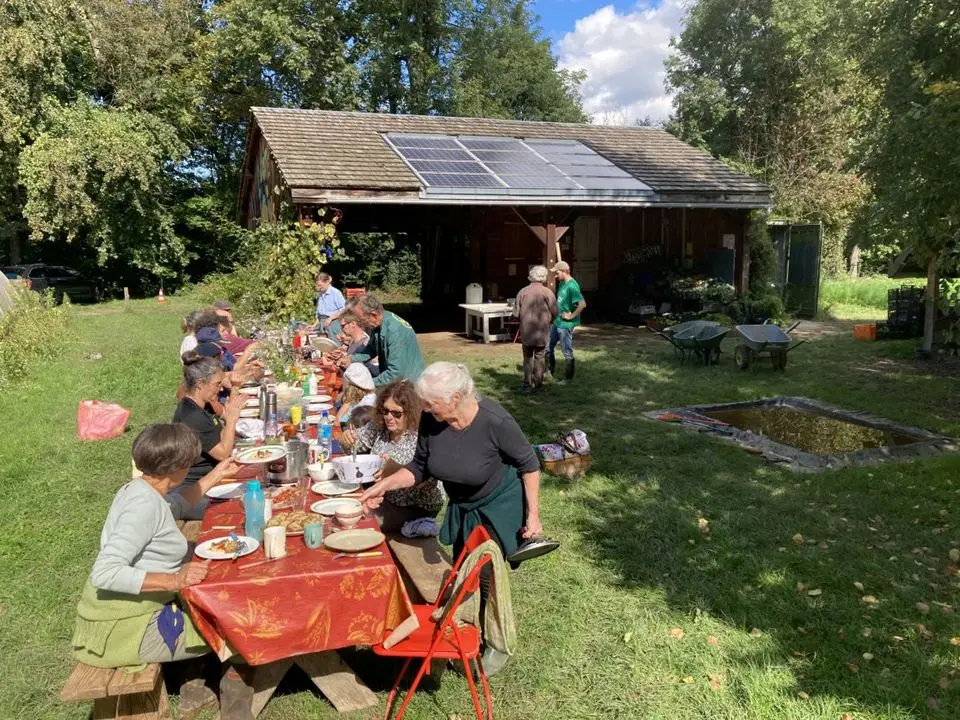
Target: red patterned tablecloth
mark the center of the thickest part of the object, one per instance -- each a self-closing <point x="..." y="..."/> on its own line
<point x="304" y="603"/>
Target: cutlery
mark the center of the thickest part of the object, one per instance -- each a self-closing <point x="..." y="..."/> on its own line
<point x="262" y="562"/>
<point x="376" y="553"/>
<point x="241" y="546"/>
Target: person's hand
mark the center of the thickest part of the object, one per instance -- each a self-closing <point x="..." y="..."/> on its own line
<point x="372" y="497"/>
<point x="192" y="573"/>
<point x="566" y="316"/>
<point x="348" y="437"/>
<point x="343" y="361"/>
<point x="533" y="528"/>
<point x="234" y="406"/>
<point x="227" y="470"/>
<point x="327" y="323"/>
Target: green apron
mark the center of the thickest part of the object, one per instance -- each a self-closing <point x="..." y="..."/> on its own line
<point x="501" y="510"/>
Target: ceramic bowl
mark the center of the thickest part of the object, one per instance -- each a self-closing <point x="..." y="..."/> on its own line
<point x="349" y="517"/>
<point x="321" y="472"/>
<point x="361" y="470"/>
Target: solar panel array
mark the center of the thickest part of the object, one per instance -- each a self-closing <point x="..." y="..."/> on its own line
<point x="492" y="165"/>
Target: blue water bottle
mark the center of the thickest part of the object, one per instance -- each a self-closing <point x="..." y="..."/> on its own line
<point x="253" y="507"/>
<point x="325" y="435"/>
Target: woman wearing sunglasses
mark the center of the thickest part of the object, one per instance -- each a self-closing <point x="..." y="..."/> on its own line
<point x="393" y="435"/>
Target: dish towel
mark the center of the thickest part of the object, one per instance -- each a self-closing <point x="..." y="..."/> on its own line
<point x="421" y="527"/>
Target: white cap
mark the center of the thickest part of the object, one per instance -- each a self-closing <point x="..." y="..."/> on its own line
<point x="359" y="375"/>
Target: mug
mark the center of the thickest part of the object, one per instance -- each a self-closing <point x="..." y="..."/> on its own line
<point x="275" y="542"/>
<point x="313" y="534"/>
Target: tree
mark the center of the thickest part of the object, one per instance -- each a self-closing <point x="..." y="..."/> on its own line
<point x="772" y="86"/>
<point x="912" y="156"/>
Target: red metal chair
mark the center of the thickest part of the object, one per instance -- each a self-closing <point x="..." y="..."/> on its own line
<point x="444" y="640"/>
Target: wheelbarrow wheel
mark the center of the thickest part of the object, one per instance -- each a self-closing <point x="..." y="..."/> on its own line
<point x="742" y="356"/>
<point x="779" y="360"/>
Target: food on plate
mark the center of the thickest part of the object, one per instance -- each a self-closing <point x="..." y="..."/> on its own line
<point x="286" y="496"/>
<point x="226" y="545"/>
<point x="292" y="521"/>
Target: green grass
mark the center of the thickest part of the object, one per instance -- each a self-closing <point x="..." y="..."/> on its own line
<point x="859" y="298"/>
<point x="598" y="620"/>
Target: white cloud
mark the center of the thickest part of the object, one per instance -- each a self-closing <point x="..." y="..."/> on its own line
<point x="623" y="55"/>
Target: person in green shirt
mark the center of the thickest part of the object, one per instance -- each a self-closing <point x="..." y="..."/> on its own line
<point x="392" y="341"/>
<point x="570" y="303"/>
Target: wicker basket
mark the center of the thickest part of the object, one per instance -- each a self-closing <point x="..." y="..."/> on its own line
<point x="570" y="468"/>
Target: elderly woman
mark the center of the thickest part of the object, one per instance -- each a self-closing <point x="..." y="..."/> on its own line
<point x="393" y="436"/>
<point x="203" y="379"/>
<point x="476" y="449"/>
<point x="127" y="614"/>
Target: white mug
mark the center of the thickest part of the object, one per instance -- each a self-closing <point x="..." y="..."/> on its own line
<point x="275" y="542"/>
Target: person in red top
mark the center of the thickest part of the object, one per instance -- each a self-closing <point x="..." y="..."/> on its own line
<point x="536" y="306"/>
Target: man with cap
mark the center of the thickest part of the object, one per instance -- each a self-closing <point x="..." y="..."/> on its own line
<point x="330" y="306"/>
<point x="224" y="309"/>
<point x="570" y="304"/>
<point x="392" y="341"/>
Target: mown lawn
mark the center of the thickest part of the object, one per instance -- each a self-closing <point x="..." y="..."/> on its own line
<point x="683" y="587"/>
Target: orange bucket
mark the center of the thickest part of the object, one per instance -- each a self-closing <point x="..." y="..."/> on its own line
<point x="865" y="332"/>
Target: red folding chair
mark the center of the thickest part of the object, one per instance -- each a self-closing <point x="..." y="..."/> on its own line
<point x="444" y="640"/>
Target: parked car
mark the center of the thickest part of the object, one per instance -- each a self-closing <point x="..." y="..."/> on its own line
<point x="62" y="280"/>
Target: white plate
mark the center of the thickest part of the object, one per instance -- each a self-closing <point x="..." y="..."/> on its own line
<point x="227" y="491"/>
<point x="354" y="540"/>
<point x="249" y="391"/>
<point x="252" y="402"/>
<point x="324" y="344"/>
<point x="319" y="407"/>
<point x="250" y="412"/>
<point x="330" y="507"/>
<point x="333" y="488"/>
<point x="250" y="455"/>
<point x="203" y="549"/>
<point x="317" y="399"/>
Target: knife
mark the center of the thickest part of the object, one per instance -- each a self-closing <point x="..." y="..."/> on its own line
<point x="377" y="553"/>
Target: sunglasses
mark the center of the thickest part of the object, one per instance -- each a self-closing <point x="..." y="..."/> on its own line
<point x="395" y="414"/>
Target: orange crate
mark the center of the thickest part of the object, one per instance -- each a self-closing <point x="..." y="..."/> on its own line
<point x="865" y="332"/>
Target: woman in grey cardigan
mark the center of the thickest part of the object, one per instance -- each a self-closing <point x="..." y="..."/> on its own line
<point x="128" y="613"/>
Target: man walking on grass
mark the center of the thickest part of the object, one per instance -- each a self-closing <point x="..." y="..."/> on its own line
<point x="570" y="303"/>
<point x="536" y="307"/>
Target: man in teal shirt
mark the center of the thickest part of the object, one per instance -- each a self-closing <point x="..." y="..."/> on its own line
<point x="392" y="341"/>
<point x="570" y="303"/>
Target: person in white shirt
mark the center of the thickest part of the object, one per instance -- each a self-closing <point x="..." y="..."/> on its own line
<point x="188" y="327"/>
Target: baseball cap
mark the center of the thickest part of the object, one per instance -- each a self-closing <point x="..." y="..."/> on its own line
<point x="359" y="375"/>
<point x="562" y="265"/>
<point x="209" y="349"/>
<point x="209" y="335"/>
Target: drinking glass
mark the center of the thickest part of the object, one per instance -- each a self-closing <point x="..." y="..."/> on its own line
<point x="313" y="534"/>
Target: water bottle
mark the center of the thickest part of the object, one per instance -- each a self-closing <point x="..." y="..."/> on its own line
<point x="253" y="506"/>
<point x="313" y="383"/>
<point x="325" y="436"/>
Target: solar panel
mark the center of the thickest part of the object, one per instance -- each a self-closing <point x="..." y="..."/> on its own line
<point x="509" y="166"/>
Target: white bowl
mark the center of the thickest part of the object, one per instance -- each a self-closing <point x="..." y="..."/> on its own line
<point x="319" y="407"/>
<point x="320" y="472"/>
<point x="360" y="471"/>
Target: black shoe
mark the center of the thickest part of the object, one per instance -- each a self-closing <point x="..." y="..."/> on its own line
<point x="571" y="370"/>
<point x="532" y="548"/>
<point x="551" y="364"/>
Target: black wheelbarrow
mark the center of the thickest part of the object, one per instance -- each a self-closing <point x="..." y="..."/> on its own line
<point x="698" y="339"/>
<point x="757" y="340"/>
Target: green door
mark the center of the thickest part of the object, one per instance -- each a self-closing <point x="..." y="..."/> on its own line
<point x="798" y="279"/>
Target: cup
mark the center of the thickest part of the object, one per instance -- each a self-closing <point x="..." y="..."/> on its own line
<point x="275" y="542"/>
<point x="313" y="534"/>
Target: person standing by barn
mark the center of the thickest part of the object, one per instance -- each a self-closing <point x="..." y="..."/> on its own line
<point x="571" y="304"/>
<point x="536" y="306"/>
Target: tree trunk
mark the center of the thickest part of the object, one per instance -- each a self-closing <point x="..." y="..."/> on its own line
<point x="855" y="261"/>
<point x="16" y="256"/>
<point x="930" y="316"/>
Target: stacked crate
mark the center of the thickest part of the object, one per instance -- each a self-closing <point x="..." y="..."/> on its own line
<point x="905" y="310"/>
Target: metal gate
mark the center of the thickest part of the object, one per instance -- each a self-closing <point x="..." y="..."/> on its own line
<point x="798" y="269"/>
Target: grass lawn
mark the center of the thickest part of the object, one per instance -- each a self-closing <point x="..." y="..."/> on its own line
<point x="694" y="581"/>
<point x="859" y="298"/>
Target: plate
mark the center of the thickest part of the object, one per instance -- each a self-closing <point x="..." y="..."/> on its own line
<point x="317" y="399"/>
<point x="330" y="507"/>
<point x="354" y="540"/>
<point x="333" y="488"/>
<point x="203" y="549"/>
<point x="250" y="391"/>
<point x="252" y="402"/>
<point x="324" y="344"/>
<point x="258" y="455"/>
<point x="251" y="412"/>
<point x="319" y="407"/>
<point x="227" y="491"/>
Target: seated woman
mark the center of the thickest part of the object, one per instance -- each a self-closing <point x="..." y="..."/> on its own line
<point x="188" y="327"/>
<point x="393" y="436"/>
<point x="203" y="378"/>
<point x="357" y="392"/>
<point x="128" y="602"/>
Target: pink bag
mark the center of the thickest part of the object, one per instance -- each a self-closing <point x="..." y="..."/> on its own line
<point x="99" y="420"/>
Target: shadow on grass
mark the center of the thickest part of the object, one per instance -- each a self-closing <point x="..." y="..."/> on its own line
<point x="829" y="568"/>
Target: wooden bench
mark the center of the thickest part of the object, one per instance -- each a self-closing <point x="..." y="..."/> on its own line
<point x="424" y="564"/>
<point x="119" y="694"/>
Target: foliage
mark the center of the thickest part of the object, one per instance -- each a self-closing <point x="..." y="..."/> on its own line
<point x="755" y="309"/>
<point x="379" y="261"/>
<point x="773" y="87"/>
<point x="32" y="329"/>
<point x="866" y="292"/>
<point x="762" y="255"/>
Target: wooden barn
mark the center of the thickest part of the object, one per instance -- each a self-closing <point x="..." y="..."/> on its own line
<point x="487" y="198"/>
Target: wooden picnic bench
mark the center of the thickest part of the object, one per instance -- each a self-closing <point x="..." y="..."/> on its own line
<point x="423" y="563"/>
<point x="117" y="693"/>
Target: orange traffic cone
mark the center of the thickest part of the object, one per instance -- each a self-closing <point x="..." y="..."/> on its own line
<point x="160" y="297"/>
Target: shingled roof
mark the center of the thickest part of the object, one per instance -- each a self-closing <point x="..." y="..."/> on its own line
<point x="320" y="151"/>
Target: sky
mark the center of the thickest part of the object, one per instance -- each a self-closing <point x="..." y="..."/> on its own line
<point x="622" y="46"/>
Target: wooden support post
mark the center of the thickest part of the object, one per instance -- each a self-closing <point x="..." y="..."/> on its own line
<point x="126" y="296"/>
<point x="551" y="253"/>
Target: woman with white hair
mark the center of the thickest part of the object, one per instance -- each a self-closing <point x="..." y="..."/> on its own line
<point x="536" y="307"/>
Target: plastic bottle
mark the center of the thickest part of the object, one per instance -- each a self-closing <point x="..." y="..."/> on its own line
<point x="313" y="382"/>
<point x="325" y="435"/>
<point x="253" y="507"/>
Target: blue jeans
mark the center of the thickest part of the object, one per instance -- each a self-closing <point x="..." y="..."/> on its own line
<point x="564" y="336"/>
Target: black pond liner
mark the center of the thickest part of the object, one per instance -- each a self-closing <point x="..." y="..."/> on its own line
<point x="807" y="435"/>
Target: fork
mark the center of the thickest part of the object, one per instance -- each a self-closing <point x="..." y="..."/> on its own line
<point x="241" y="546"/>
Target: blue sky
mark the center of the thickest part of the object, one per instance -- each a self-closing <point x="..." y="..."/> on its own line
<point x="621" y="45"/>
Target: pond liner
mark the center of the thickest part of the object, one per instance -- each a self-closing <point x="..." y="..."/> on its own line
<point x="927" y="444"/>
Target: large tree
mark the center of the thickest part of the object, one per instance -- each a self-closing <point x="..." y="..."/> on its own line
<point x="772" y="86"/>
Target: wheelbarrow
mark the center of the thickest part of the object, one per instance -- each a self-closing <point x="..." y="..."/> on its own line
<point x="698" y="339"/>
<point x="756" y="340"/>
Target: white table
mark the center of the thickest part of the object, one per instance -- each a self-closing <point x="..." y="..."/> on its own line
<point x="482" y="313"/>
